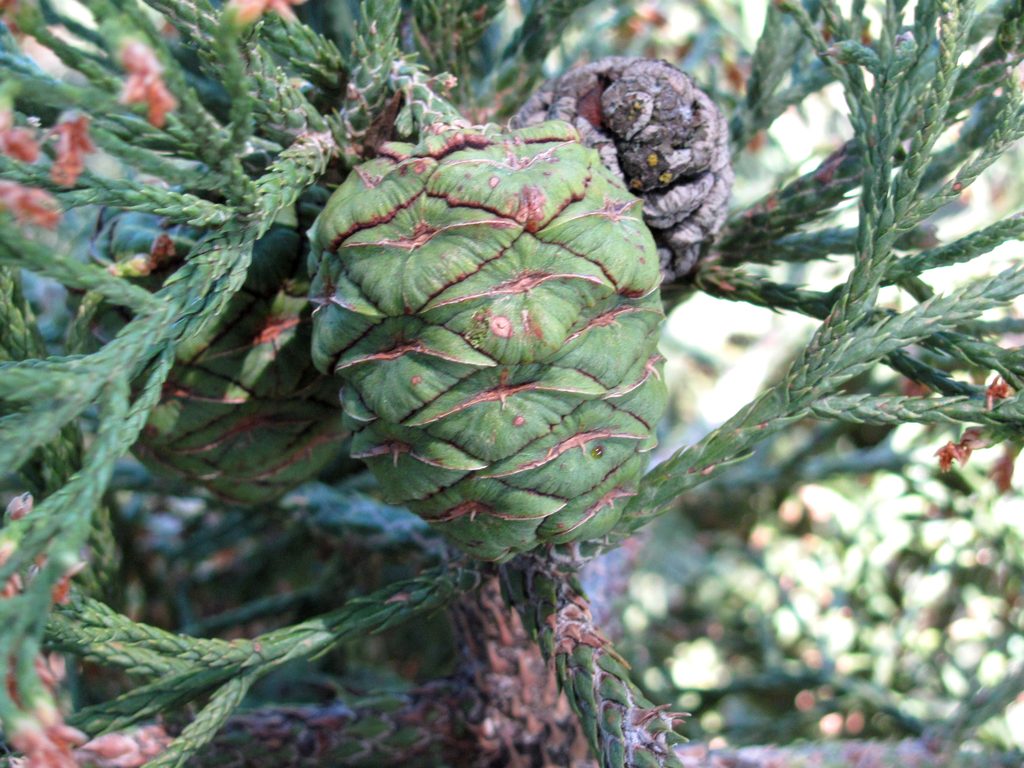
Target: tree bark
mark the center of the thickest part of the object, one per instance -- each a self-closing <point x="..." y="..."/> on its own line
<point x="521" y="719"/>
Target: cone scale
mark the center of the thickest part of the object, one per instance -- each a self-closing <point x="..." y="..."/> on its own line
<point x="489" y="302"/>
<point x="243" y="412"/>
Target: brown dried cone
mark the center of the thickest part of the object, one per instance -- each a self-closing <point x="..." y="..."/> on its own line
<point x="657" y="131"/>
<point x="244" y="413"/>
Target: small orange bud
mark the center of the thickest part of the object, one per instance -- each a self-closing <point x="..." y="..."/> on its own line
<point x="16" y="142"/>
<point x="145" y="84"/>
<point x="28" y="205"/>
<point x="246" y="12"/>
<point x="997" y="390"/>
<point x="971" y="440"/>
<point x="73" y="143"/>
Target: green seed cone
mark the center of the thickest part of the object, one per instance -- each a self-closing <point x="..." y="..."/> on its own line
<point x="244" y="412"/>
<point x="490" y="302"/>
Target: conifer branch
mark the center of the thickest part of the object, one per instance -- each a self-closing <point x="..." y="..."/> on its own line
<point x="816" y="193"/>
<point x="93" y="630"/>
<point x="218" y="663"/>
<point x="97" y="190"/>
<point x="448" y="32"/>
<point x="829" y="361"/>
<point x="18" y="250"/>
<point x="623" y="727"/>
<point x="210" y="719"/>
<point x="540" y="31"/>
<point x="307" y="53"/>
<point x="56" y="461"/>
<point x="777" y="48"/>
<point x="866" y="409"/>
<point x="883" y="202"/>
<point x="797" y="203"/>
<point x="280" y="104"/>
<point x="417" y="727"/>
<point x="958" y="345"/>
<point x="196" y="19"/>
<point x="959" y="251"/>
<point x="236" y="82"/>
